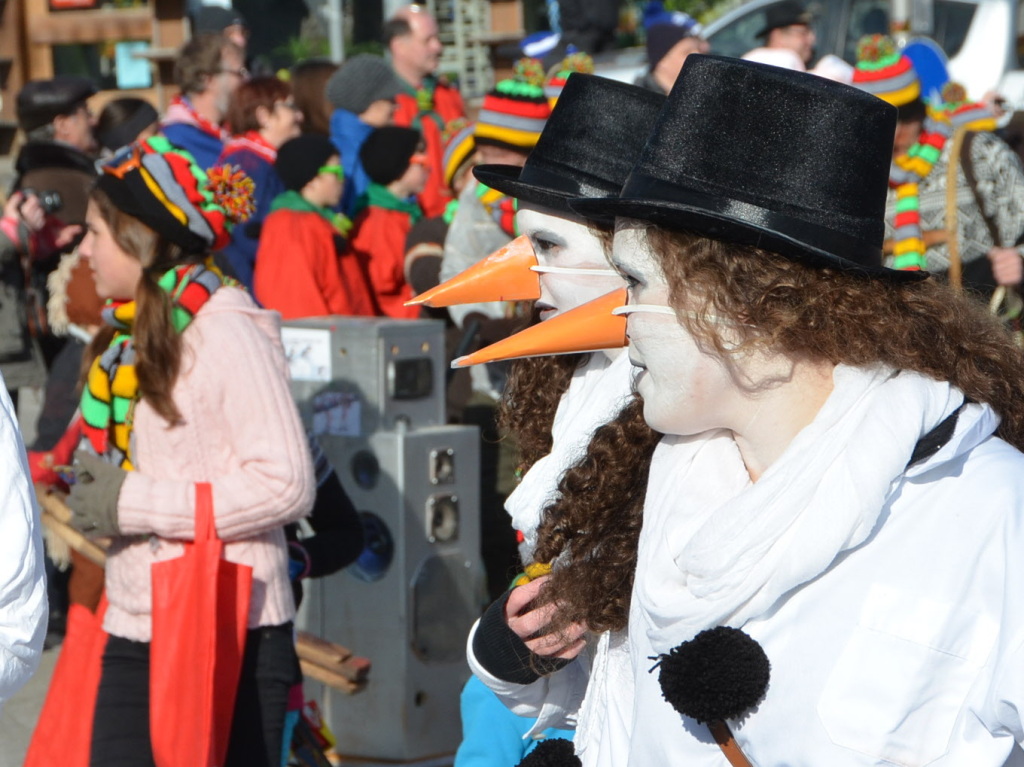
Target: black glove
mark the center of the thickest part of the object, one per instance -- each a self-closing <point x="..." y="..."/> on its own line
<point x="93" y="498"/>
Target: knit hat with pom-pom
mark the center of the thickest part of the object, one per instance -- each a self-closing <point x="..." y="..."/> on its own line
<point x="162" y="186"/>
<point x="514" y="113"/>
<point x="558" y="74"/>
<point x="459" y="145"/>
<point x="885" y="72"/>
<point x="963" y="113"/>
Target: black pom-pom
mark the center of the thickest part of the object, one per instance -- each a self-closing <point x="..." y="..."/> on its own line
<point x="717" y="675"/>
<point x="554" y="752"/>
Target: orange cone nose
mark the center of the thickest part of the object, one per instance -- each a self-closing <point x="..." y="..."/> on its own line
<point x="503" y="276"/>
<point x="587" y="328"/>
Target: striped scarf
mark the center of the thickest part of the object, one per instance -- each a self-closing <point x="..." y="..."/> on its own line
<point x="112" y="387"/>
<point x="500" y="207"/>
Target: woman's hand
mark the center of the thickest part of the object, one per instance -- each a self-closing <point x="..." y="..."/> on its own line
<point x="26" y="208"/>
<point x="93" y="498"/>
<point x="1006" y="266"/>
<point x="529" y="624"/>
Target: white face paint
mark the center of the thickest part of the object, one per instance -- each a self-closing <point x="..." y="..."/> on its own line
<point x="572" y="265"/>
<point x="686" y="390"/>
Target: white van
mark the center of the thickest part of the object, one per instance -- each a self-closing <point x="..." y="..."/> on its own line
<point x="978" y="36"/>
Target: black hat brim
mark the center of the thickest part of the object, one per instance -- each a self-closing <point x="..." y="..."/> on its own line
<point x="506" y="179"/>
<point x="722" y="226"/>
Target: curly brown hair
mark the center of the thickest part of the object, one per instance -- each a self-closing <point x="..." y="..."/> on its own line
<point x="527" y="408"/>
<point x="844" y="317"/>
<point x="594" y="525"/>
<point x="535" y="386"/>
<point x="826" y="314"/>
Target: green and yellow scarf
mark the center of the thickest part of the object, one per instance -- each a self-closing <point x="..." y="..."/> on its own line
<point x="112" y="387"/>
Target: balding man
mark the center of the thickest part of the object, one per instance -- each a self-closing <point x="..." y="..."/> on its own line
<point x="428" y="102"/>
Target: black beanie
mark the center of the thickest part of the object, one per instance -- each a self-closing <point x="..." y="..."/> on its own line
<point x="386" y="153"/>
<point x="299" y="159"/>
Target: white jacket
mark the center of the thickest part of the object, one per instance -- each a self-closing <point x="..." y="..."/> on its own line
<point x="23" y="605"/>
<point x="908" y="649"/>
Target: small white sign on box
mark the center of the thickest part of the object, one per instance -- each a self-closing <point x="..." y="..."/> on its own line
<point x="308" y="352"/>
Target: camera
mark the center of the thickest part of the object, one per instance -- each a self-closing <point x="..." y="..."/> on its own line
<point x="49" y="199"/>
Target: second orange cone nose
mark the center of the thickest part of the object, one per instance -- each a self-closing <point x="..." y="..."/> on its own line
<point x="587" y="328"/>
<point x="503" y="276"/>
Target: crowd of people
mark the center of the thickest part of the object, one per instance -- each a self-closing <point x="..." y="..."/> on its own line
<point x="795" y="445"/>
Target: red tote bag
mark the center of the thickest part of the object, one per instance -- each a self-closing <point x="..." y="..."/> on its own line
<point x="63" y="733"/>
<point x="200" y="610"/>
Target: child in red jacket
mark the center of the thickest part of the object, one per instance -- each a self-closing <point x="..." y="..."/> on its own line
<point x="394" y="160"/>
<point x="302" y="267"/>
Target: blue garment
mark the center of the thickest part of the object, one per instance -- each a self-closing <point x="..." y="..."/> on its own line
<point x="348" y="133"/>
<point x="197" y="142"/>
<point x="241" y="251"/>
<point x="492" y="736"/>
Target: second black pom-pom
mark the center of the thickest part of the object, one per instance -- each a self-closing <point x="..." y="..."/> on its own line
<point x="554" y="752"/>
<point x="717" y="675"/>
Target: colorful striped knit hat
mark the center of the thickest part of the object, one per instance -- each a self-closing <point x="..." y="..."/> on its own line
<point x="514" y="113"/>
<point x="162" y="186"/>
<point x="574" y="62"/>
<point x="459" y="146"/>
<point x="884" y="72"/>
<point x="963" y="113"/>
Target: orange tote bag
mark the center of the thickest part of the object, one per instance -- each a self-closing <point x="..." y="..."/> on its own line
<point x="63" y="733"/>
<point x="200" y="610"/>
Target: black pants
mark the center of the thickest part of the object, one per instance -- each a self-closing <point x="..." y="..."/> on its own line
<point x="120" y="736"/>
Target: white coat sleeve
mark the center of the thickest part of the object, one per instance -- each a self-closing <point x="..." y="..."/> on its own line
<point x="23" y="606"/>
<point x="553" y="700"/>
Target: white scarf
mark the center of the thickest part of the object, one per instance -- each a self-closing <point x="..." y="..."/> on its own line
<point x="717" y="549"/>
<point x="596" y="394"/>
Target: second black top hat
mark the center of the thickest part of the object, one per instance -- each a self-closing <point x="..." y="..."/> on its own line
<point x="588" y="147"/>
<point x="759" y="155"/>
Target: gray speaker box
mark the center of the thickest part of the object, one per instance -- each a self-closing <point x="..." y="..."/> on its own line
<point x="373" y="392"/>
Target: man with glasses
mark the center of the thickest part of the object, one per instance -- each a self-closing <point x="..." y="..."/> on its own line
<point x="208" y="71"/>
<point x="788" y="35"/>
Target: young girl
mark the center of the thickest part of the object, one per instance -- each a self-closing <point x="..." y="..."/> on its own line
<point x="188" y="384"/>
<point x="841" y="472"/>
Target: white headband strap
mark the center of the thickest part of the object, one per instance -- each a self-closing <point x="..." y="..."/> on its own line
<point x="661" y="309"/>
<point x="570" y="270"/>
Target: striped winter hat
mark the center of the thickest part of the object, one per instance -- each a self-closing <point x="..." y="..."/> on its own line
<point x="459" y="146"/>
<point x="574" y="62"/>
<point x="963" y="113"/>
<point x="162" y="186"/>
<point x="514" y="113"/>
<point x="885" y="72"/>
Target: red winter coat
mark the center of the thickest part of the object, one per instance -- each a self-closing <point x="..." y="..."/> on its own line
<point x="448" y="106"/>
<point x="378" y="240"/>
<point x="300" y="274"/>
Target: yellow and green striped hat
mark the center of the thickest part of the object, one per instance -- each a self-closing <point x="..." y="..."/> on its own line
<point x="884" y="72"/>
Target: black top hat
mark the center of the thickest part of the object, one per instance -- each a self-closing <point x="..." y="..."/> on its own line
<point x="784" y="15"/>
<point x="40" y="101"/>
<point x="764" y="156"/>
<point x="588" y="147"/>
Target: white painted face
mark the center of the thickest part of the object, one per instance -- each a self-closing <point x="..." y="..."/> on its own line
<point x="571" y="261"/>
<point x="686" y="390"/>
